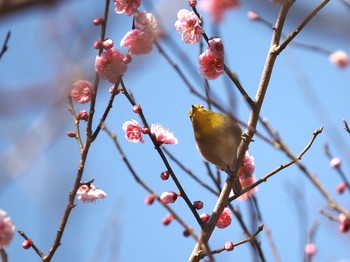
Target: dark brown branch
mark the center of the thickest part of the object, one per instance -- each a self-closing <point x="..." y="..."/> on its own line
<point x="5" y="46"/>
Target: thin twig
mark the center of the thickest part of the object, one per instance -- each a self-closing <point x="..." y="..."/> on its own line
<point x="76" y="123"/>
<point x="163" y="157"/>
<point x="346" y="127"/>
<point x="3" y="255"/>
<point x="5" y="46"/>
<point x="36" y="249"/>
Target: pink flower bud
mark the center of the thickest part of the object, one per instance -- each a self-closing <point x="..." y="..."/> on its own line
<point x="137" y="109"/>
<point x="107" y="44"/>
<point x="145" y="130"/>
<point x="126" y="7"/>
<point x="339" y="58"/>
<point x="253" y="15"/>
<point x="225" y="218"/>
<point x="192" y="3"/>
<point x="205" y="217"/>
<point x="310" y="249"/>
<point x="166" y="220"/>
<point x="26" y="244"/>
<point x="188" y="231"/>
<point x="168" y="197"/>
<point x="83" y="115"/>
<point x="150" y="199"/>
<point x="164" y="175"/>
<point x="111" y="90"/>
<point x="127" y="59"/>
<point x="98" y="21"/>
<point x="198" y="205"/>
<point x="341" y="187"/>
<point x="335" y="162"/>
<point x="71" y="134"/>
<point x="344" y="223"/>
<point x="229" y="246"/>
<point x="98" y="44"/>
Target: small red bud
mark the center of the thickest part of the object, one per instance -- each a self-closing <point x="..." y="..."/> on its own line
<point x="166" y="220"/>
<point x="98" y="21"/>
<point x="107" y="44"/>
<point x="98" y="44"/>
<point x="205" y="217"/>
<point x="164" y="175"/>
<point x="187" y="232"/>
<point x="229" y="246"/>
<point x="137" y="109"/>
<point x="71" y="134"/>
<point x="83" y="115"/>
<point x="144" y="130"/>
<point x="341" y="187"/>
<point x="335" y="162"/>
<point x="150" y="199"/>
<point x="27" y="243"/>
<point x="192" y="3"/>
<point x="127" y="59"/>
<point x="198" y="205"/>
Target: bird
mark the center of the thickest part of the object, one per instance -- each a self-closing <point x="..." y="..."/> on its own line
<point x="217" y="135"/>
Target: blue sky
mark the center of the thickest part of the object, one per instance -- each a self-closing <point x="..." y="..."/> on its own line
<point x="50" y="48"/>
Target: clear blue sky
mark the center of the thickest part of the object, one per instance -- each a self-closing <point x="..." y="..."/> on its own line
<point x="50" y="48"/>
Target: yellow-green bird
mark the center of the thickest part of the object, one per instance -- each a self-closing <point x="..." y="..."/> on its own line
<point x="217" y="135"/>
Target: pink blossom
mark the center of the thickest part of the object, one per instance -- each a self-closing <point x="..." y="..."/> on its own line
<point x="344" y="221"/>
<point x="82" y="91"/>
<point x="162" y="135"/>
<point x="110" y="65"/>
<point x="247" y="168"/>
<point x="335" y="162"/>
<point x="205" y="217"/>
<point x="310" y="249"/>
<point x="150" y="199"/>
<point x="210" y="65"/>
<point x="133" y="132"/>
<point x="7" y="229"/>
<point x="190" y="25"/>
<point x="245" y="183"/>
<point x="147" y="23"/>
<point x="127" y="7"/>
<point x="217" y="7"/>
<point x="89" y="193"/>
<point x="168" y="197"/>
<point x="339" y="58"/>
<point x="225" y="218"/>
<point x="229" y="246"/>
<point x="139" y="43"/>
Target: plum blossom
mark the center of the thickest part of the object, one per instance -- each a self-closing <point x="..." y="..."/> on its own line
<point x="247" y="168"/>
<point x="89" y="193"/>
<point x="127" y="7"/>
<point x="339" y="58"/>
<point x="210" y="66"/>
<point x="82" y="91"/>
<point x="245" y="183"/>
<point x="133" y="131"/>
<point x="138" y="42"/>
<point x="147" y="23"/>
<point x="225" y="218"/>
<point x="217" y="7"/>
<point x="190" y="25"/>
<point x="110" y="65"/>
<point x="162" y="135"/>
<point x="7" y="229"/>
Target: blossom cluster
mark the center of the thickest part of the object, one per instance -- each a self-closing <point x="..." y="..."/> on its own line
<point x="89" y="193"/>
